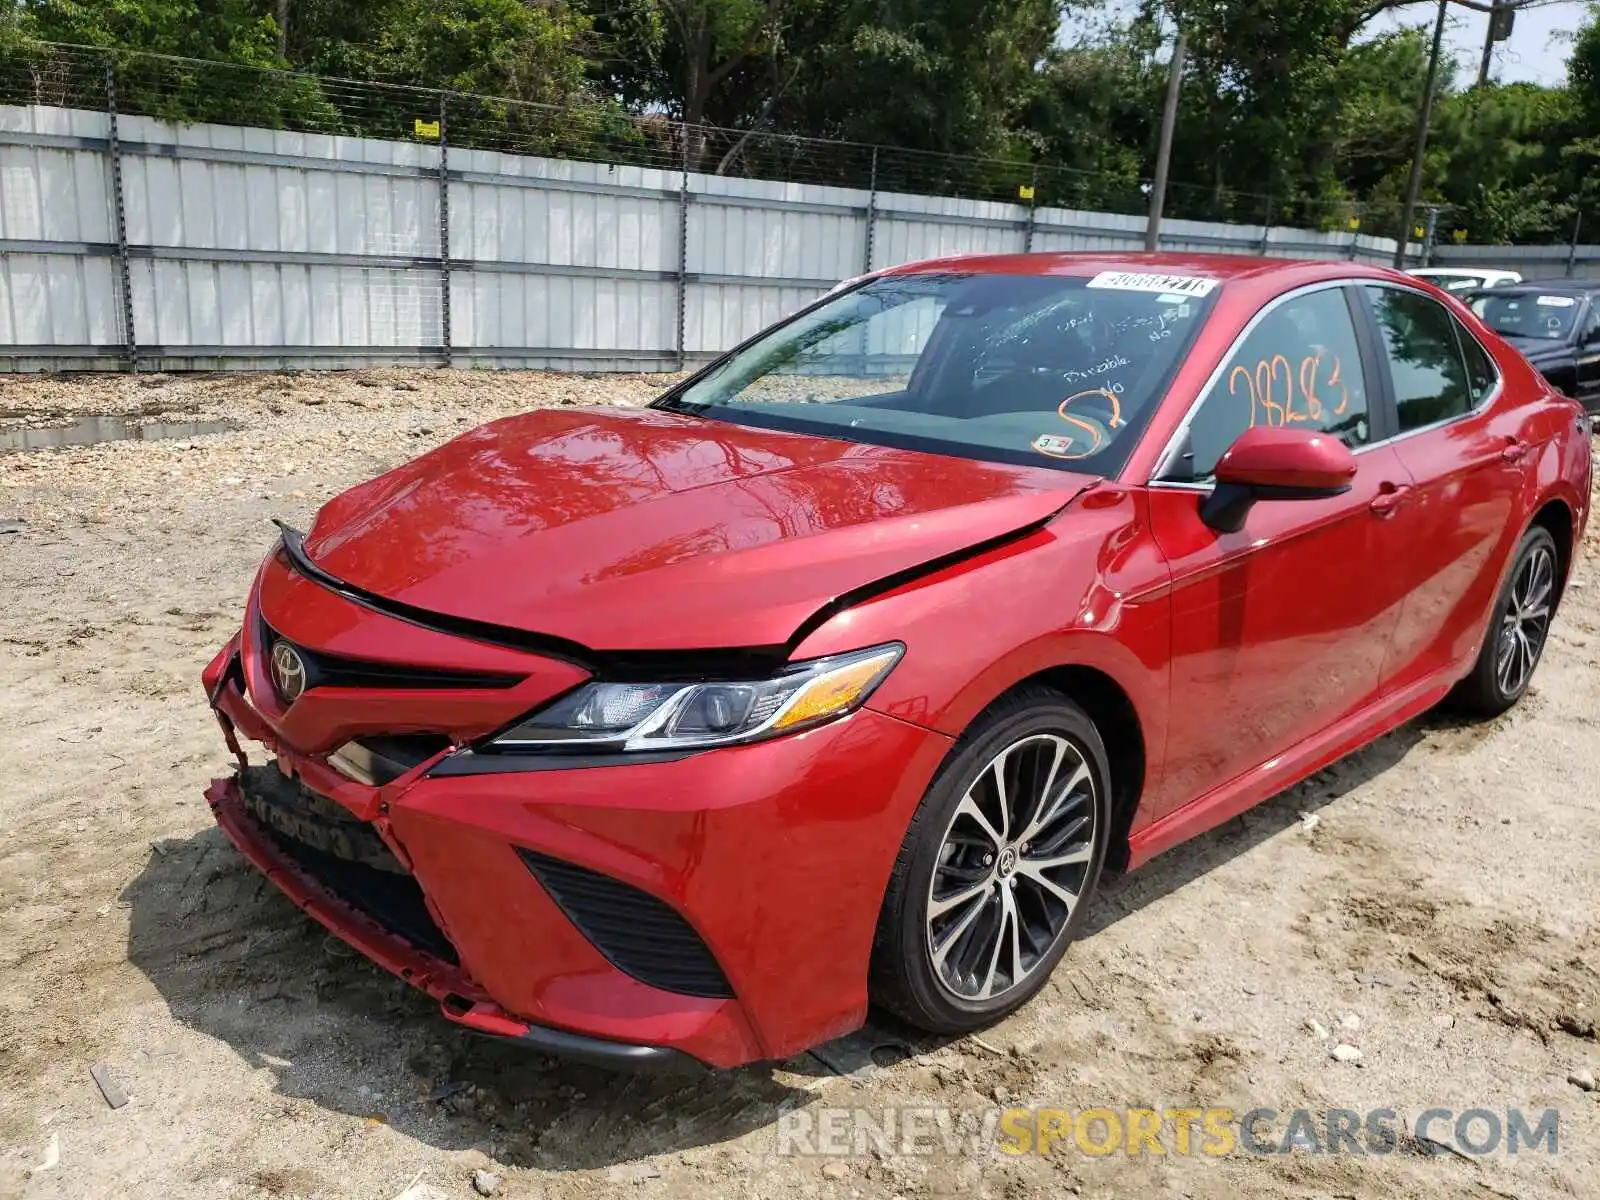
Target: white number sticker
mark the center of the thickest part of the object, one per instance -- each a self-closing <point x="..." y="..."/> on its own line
<point x="1174" y="285"/>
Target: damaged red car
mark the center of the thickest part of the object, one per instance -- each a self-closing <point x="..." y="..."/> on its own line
<point x="841" y="673"/>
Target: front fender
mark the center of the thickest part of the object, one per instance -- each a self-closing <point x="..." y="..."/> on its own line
<point x="1089" y="589"/>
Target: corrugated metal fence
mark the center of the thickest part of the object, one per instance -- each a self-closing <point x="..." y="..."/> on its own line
<point x="135" y="243"/>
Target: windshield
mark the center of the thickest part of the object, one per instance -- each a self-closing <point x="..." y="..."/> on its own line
<point x="1044" y="370"/>
<point x="1528" y="314"/>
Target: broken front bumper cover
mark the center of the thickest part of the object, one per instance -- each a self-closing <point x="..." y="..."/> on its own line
<point x="459" y="999"/>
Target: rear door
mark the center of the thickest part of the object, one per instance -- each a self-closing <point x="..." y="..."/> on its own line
<point x="1280" y="629"/>
<point x="1466" y="457"/>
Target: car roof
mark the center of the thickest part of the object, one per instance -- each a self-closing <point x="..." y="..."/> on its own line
<point x="1222" y="267"/>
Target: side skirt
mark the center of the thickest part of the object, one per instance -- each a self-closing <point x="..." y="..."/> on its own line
<point x="1310" y="756"/>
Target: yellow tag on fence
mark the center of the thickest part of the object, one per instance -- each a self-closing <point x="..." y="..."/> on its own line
<point x="1025" y="192"/>
<point x="427" y="129"/>
<point x="1355" y="222"/>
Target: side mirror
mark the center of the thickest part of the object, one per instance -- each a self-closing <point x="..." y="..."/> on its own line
<point x="1275" y="463"/>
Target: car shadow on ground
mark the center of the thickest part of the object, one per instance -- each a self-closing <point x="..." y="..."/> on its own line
<point x="237" y="961"/>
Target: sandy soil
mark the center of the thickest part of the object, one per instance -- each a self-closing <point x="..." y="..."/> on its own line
<point x="1445" y="897"/>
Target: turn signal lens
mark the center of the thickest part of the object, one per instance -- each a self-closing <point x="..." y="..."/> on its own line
<point x="836" y="692"/>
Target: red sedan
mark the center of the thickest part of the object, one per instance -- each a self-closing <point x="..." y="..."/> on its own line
<point x="842" y="672"/>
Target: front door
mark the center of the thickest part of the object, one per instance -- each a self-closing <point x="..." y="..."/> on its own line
<point x="1280" y="629"/>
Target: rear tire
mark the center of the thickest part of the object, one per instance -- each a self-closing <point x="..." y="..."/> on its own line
<point x="998" y="866"/>
<point x="1519" y="626"/>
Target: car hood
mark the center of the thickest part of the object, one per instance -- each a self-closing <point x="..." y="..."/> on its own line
<point x="643" y="529"/>
<point x="1537" y="348"/>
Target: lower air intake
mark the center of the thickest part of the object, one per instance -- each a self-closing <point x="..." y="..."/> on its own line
<point x="638" y="934"/>
<point x="344" y="855"/>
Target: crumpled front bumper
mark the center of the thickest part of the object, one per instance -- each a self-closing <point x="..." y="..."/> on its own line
<point x="777" y="855"/>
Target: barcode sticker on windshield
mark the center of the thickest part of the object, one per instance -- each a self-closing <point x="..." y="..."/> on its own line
<point x="1130" y="281"/>
<point x="1556" y="301"/>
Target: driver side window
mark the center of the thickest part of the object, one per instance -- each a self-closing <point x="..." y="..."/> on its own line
<point x="1300" y="366"/>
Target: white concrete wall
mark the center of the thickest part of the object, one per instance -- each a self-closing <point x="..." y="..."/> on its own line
<point x="255" y="247"/>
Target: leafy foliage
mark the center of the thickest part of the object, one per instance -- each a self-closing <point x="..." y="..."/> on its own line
<point x="1291" y="110"/>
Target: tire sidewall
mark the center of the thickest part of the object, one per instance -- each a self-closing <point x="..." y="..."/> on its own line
<point x="967" y="760"/>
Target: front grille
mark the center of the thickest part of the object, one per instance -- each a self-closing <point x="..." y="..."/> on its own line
<point x="344" y="855"/>
<point x="328" y="670"/>
<point x="637" y="934"/>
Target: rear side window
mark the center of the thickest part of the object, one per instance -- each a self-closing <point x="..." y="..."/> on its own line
<point x="1300" y="366"/>
<point x="1425" y="360"/>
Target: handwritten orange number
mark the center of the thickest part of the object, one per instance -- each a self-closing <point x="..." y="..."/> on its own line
<point x="1263" y="381"/>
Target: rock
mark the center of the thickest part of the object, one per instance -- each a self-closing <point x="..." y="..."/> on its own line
<point x="1373" y="979"/>
<point x="1002" y="1094"/>
<point x="835" y="1170"/>
<point x="1346" y="1053"/>
<point x="1351" y="1022"/>
<point x="11" y="524"/>
<point x="1582" y="1079"/>
<point x="114" y="1095"/>
<point x="1317" y="1029"/>
<point x="485" y="1183"/>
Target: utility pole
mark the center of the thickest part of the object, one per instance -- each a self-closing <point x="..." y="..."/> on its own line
<point x="1488" y="52"/>
<point x="1414" y="185"/>
<point x="1502" y="19"/>
<point x="1169" y="118"/>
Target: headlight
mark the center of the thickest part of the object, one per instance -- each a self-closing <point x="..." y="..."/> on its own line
<point x="676" y="716"/>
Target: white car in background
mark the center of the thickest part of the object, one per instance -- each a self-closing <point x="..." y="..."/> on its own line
<point x="1464" y="279"/>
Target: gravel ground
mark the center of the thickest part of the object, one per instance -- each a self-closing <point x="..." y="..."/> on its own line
<point x="1430" y="901"/>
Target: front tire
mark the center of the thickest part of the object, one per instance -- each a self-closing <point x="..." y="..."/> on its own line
<point x="997" y="868"/>
<point x="1518" y="629"/>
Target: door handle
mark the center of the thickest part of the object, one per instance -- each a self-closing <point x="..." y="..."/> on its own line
<point x="1514" y="452"/>
<point x="1390" y="497"/>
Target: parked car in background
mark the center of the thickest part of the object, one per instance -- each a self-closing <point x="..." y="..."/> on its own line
<point x="844" y="669"/>
<point x="1556" y="325"/>
<point x="1465" y="279"/>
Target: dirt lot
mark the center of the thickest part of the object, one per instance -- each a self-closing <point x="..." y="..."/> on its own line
<point x="1437" y="891"/>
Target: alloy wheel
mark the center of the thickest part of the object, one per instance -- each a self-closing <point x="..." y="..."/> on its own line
<point x="1012" y="867"/>
<point x="1526" y="621"/>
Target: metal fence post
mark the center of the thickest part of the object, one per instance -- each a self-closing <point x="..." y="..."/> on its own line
<point x="872" y="213"/>
<point x="1266" y="229"/>
<point x="1033" y="192"/>
<point x="683" y="254"/>
<point x="119" y="220"/>
<point x="444" y="232"/>
<point x="1572" y="249"/>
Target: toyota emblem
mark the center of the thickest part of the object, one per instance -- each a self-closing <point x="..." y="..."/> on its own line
<point x="288" y="672"/>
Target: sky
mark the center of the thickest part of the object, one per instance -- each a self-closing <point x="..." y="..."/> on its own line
<point x="1535" y="52"/>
